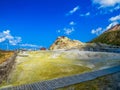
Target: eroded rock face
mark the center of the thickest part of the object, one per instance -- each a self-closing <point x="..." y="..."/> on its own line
<point x="65" y="43"/>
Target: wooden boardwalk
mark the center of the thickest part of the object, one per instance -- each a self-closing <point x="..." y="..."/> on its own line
<point x="65" y="81"/>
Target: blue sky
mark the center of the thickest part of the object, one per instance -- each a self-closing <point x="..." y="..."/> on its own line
<point x="36" y="23"/>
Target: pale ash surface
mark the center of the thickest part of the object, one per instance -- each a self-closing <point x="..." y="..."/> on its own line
<point x="44" y="65"/>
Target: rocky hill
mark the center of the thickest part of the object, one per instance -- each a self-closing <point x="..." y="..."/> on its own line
<point x="64" y="43"/>
<point x="111" y="36"/>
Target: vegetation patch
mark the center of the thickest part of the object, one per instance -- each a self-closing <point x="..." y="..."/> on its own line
<point x="4" y="55"/>
<point x="112" y="38"/>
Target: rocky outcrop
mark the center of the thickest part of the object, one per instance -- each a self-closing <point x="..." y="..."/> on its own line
<point x="64" y="43"/>
<point x="6" y="67"/>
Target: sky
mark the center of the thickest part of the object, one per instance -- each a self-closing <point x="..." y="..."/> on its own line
<point x="37" y="23"/>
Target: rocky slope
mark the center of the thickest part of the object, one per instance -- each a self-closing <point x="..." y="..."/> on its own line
<point x="111" y="36"/>
<point x="64" y="43"/>
<point x="67" y="44"/>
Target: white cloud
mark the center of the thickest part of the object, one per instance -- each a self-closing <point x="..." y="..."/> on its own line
<point x="58" y="31"/>
<point x="113" y="21"/>
<point x="111" y="25"/>
<point x="107" y="6"/>
<point x="73" y="10"/>
<point x="86" y="14"/>
<point x="116" y="18"/>
<point x="15" y="40"/>
<point x="72" y="23"/>
<point x="2" y="40"/>
<point x="114" y="8"/>
<point x="106" y="3"/>
<point x="68" y="31"/>
<point x="97" y="31"/>
<point x="117" y="7"/>
<point x="100" y="30"/>
<point x="7" y="32"/>
<point x="6" y="35"/>
<point x="29" y="45"/>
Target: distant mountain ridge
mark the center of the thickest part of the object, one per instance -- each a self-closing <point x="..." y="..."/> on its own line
<point x="111" y="36"/>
